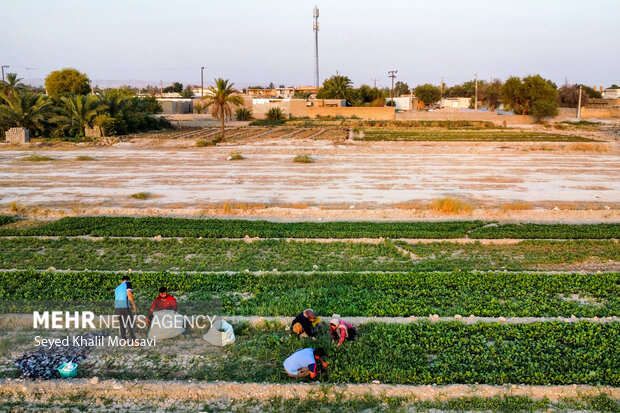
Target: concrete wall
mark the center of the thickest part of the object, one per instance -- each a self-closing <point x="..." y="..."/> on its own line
<point x="94" y="132"/>
<point x="172" y="106"/>
<point x="374" y="113"/>
<point x="295" y="107"/>
<point x="17" y="135"/>
<point x="589" y="113"/>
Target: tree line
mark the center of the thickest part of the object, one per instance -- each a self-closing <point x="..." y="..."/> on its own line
<point x="69" y="106"/>
<point x="530" y="95"/>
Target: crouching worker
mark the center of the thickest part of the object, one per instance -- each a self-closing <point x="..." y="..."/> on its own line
<point x="340" y="330"/>
<point x="163" y="302"/>
<point x="305" y="324"/>
<point x="303" y="363"/>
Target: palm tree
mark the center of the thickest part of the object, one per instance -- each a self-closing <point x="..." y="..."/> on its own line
<point x="78" y="111"/>
<point x="12" y="84"/>
<point x="221" y="98"/>
<point x="115" y="102"/>
<point x="24" y="109"/>
<point x="336" y="87"/>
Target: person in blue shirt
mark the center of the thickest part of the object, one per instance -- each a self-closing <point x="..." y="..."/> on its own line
<point x="303" y="363"/>
<point x="123" y="296"/>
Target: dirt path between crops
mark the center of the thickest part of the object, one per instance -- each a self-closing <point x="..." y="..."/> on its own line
<point x="358" y="180"/>
<point x="153" y="391"/>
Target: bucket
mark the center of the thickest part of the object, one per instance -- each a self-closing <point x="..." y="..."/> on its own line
<point x="68" y="370"/>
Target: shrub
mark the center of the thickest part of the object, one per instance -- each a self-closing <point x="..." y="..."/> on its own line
<point x="141" y="196"/>
<point x="303" y="159"/>
<point x="201" y="143"/>
<point x="243" y="114"/>
<point x="235" y="156"/>
<point x="37" y="158"/>
<point x="85" y="158"/>
<point x="267" y="122"/>
<point x="274" y="114"/>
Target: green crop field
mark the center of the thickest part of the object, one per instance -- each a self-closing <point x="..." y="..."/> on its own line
<point x="235" y="228"/>
<point x="348" y="294"/>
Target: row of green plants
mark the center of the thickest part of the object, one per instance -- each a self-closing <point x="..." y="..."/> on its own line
<point x="524" y="255"/>
<point x="466" y="135"/>
<point x="198" y="255"/>
<point x="403" y="294"/>
<point x="225" y="228"/>
<point x="191" y="254"/>
<point x="551" y="231"/>
<point x="418" y="353"/>
<point x="7" y="219"/>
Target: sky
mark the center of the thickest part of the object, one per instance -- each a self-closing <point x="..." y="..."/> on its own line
<point x="255" y="42"/>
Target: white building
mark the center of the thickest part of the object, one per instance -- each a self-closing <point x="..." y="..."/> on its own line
<point x="611" y="94"/>
<point x="456" y="103"/>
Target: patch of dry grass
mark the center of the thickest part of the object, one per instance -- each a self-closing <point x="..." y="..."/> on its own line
<point x="37" y="158"/>
<point x="141" y="196"/>
<point x="303" y="159"/>
<point x="85" y="158"/>
<point x="235" y="156"/>
<point x="516" y="206"/>
<point x="588" y="147"/>
<point x="450" y="205"/>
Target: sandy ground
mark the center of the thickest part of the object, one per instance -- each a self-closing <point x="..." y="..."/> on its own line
<point x="360" y="180"/>
<point x="153" y="391"/>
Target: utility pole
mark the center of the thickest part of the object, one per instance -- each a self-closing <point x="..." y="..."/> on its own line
<point x="3" y="67"/>
<point x="579" y="105"/>
<point x="476" y="96"/>
<point x="202" y="82"/>
<point x="315" y="28"/>
<point x="441" y="92"/>
<point x="161" y="88"/>
<point x="392" y="74"/>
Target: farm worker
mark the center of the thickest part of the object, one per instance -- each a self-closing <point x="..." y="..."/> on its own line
<point x="164" y="301"/>
<point x="304" y="362"/>
<point x="340" y="330"/>
<point x="305" y="324"/>
<point x="123" y="295"/>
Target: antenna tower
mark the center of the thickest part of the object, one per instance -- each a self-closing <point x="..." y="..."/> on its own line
<point x="315" y="28"/>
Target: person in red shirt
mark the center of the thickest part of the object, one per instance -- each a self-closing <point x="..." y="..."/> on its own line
<point x="340" y="330"/>
<point x="163" y="302"/>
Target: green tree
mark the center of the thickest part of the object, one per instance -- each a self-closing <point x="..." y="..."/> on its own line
<point x="24" y="109"/>
<point x="428" y="93"/>
<point x="521" y="95"/>
<point x="336" y="87"/>
<point x="176" y="87"/>
<point x="490" y="94"/>
<point x="12" y="84"/>
<point x="187" y="92"/>
<point x="401" y="88"/>
<point x="221" y="99"/>
<point x="66" y="81"/>
<point x="78" y="112"/>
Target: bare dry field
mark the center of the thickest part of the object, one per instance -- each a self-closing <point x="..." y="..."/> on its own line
<point x="348" y="180"/>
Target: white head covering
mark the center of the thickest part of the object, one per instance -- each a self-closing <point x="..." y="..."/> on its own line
<point x="335" y="322"/>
